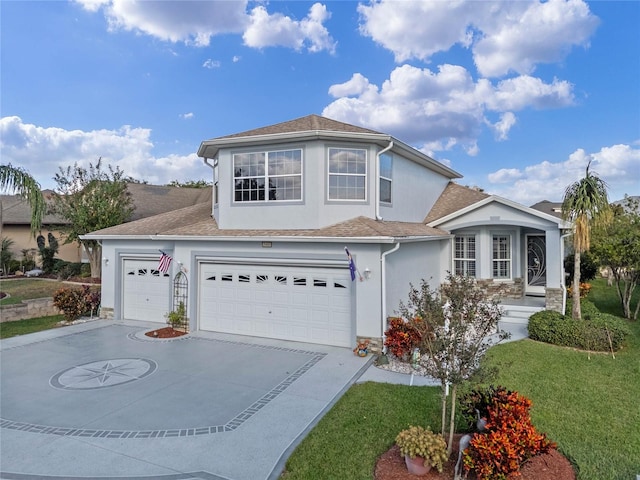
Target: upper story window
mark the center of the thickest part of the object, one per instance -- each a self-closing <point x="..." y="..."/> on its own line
<point x="385" y="178"/>
<point x="464" y="256"/>
<point x="347" y="174"/>
<point x="501" y="256"/>
<point x="267" y="176"/>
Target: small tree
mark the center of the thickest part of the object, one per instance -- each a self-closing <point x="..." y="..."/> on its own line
<point x="47" y="253"/>
<point x="458" y="324"/>
<point x="91" y="199"/>
<point x="6" y="255"/>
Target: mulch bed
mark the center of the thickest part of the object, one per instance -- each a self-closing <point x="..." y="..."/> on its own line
<point x="166" y="332"/>
<point x="549" y="466"/>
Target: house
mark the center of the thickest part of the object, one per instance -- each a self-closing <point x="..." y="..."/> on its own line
<point x="266" y="255"/>
<point x="148" y="200"/>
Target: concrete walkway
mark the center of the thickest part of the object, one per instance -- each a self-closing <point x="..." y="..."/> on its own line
<point x="102" y="400"/>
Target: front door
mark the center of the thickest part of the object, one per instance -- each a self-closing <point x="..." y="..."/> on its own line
<point x="536" y="264"/>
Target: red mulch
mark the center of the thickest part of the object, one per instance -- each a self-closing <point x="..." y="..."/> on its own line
<point x="549" y="466"/>
<point x="166" y="332"/>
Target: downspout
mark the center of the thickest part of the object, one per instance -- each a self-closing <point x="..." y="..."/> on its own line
<point x="383" y="280"/>
<point x="377" y="189"/>
<point x="562" y="281"/>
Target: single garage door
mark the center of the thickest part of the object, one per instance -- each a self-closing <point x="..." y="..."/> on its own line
<point x="146" y="290"/>
<point x="289" y="303"/>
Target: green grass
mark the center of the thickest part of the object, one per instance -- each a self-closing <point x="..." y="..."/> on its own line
<point x="22" y="327"/>
<point x="587" y="403"/>
<point x="27" y="288"/>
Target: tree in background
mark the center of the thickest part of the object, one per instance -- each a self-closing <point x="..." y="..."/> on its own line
<point x="6" y="255"/>
<point x="47" y="253"/>
<point x="189" y="184"/>
<point x="91" y="199"/>
<point x="617" y="246"/>
<point x="585" y="204"/>
<point x="18" y="180"/>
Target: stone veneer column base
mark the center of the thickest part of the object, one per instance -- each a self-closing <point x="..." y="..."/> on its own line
<point x="106" y="313"/>
<point x="553" y="299"/>
<point x="375" y="343"/>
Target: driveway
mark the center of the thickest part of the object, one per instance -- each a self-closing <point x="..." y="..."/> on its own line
<point x="101" y="399"/>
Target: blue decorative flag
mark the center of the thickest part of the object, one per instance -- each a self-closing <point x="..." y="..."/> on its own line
<point x="352" y="265"/>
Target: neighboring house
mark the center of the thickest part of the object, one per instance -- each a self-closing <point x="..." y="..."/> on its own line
<point x="266" y="256"/>
<point x="552" y="208"/>
<point x="148" y="200"/>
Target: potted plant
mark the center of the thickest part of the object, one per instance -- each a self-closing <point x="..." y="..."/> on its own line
<point x="422" y="449"/>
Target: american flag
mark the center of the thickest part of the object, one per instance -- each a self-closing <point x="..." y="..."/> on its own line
<point x="352" y="265"/>
<point x="164" y="263"/>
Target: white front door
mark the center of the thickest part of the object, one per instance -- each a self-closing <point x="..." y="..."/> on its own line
<point x="304" y="304"/>
<point x="145" y="291"/>
<point x="536" y="264"/>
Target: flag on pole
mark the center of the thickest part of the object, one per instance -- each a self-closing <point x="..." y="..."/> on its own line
<point x="164" y="263"/>
<point x="352" y="266"/>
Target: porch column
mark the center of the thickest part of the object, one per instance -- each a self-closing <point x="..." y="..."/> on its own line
<point x="553" y="290"/>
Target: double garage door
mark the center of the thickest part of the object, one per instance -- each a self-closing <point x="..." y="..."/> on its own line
<point x="305" y="304"/>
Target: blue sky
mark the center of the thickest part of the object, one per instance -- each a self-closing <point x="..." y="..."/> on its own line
<point x="516" y="96"/>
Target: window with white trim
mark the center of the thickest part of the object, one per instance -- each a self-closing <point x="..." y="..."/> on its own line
<point x="267" y="176"/>
<point x="501" y="248"/>
<point x="464" y="257"/>
<point x="347" y="174"/>
<point x="386" y="163"/>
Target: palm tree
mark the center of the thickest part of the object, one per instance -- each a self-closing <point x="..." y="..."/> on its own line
<point x="18" y="180"/>
<point x="585" y="203"/>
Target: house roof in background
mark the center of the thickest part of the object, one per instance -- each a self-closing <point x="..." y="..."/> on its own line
<point x="148" y="200"/>
<point x="196" y="221"/>
<point x="454" y="197"/>
<point x="551" y="208"/>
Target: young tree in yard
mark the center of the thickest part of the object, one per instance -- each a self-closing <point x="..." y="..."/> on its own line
<point x="18" y="180"/>
<point x="617" y="246"/>
<point x="585" y="204"/>
<point x="91" y="199"/>
<point x="457" y="325"/>
<point x="47" y="253"/>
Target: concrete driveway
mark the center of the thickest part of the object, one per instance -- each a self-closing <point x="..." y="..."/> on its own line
<point x="100" y="399"/>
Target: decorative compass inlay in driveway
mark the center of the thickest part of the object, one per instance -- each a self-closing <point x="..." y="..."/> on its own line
<point x="103" y="373"/>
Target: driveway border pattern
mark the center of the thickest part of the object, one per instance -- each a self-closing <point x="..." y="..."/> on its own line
<point x="177" y="432"/>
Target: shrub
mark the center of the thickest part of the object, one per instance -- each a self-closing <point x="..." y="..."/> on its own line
<point x="510" y="440"/>
<point x="596" y="331"/>
<point x="588" y="268"/>
<point x="422" y="442"/>
<point x="66" y="270"/>
<point x="75" y="302"/>
<point x="476" y="404"/>
<point x="401" y="337"/>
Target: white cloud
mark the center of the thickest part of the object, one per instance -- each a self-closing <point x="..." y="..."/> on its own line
<point x="267" y="30"/>
<point x="617" y="165"/>
<point x="196" y="22"/>
<point x="441" y="108"/>
<point x="186" y="116"/>
<point x="211" y="64"/>
<point x="503" y="36"/>
<point x="41" y="150"/>
<point x="236" y="59"/>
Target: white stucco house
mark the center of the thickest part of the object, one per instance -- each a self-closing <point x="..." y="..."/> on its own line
<point x="266" y="257"/>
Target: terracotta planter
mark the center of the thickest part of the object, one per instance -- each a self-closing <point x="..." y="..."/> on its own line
<point x="416" y="465"/>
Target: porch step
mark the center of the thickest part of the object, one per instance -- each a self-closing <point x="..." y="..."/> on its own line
<point x="518" y="313"/>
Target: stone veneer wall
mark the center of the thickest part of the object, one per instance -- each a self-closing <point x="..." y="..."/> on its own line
<point x="502" y="289"/>
<point x="106" y="313"/>
<point x="375" y="343"/>
<point x="37" y="307"/>
<point x="553" y="299"/>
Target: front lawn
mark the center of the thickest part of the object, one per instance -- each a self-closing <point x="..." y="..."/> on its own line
<point x="27" y="289"/>
<point x="588" y="404"/>
<point x="31" y="325"/>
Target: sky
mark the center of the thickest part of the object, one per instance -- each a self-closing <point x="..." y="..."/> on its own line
<point x="518" y="97"/>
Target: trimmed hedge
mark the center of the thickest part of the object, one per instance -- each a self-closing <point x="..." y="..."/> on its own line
<point x="591" y="333"/>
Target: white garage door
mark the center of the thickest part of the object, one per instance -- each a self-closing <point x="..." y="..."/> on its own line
<point x="289" y="303"/>
<point x="146" y="290"/>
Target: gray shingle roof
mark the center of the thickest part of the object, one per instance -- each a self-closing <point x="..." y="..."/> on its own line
<point x="196" y="221"/>
<point x="551" y="208"/>
<point x="454" y="197"/>
<point x="303" y="124"/>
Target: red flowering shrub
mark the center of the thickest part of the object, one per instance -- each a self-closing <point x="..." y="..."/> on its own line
<point x="401" y="337"/>
<point x="75" y="303"/>
<point x="510" y="439"/>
